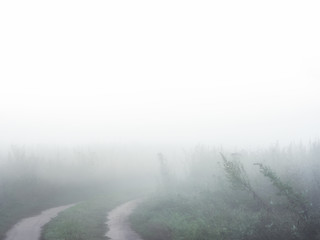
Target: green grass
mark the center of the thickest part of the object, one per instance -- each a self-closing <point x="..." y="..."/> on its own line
<point x="23" y="199"/>
<point x="198" y="218"/>
<point x="184" y="217"/>
<point x="85" y="221"/>
<point x="232" y="203"/>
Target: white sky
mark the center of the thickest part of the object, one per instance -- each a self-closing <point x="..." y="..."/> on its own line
<point x="185" y="72"/>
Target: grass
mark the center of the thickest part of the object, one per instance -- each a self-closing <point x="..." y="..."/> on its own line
<point x="24" y="199"/>
<point x="85" y="220"/>
<point x="184" y="217"/>
<point x="34" y="180"/>
<point x="232" y="203"/>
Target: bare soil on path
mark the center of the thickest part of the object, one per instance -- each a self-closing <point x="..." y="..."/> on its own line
<point x="30" y="228"/>
<point x="118" y="222"/>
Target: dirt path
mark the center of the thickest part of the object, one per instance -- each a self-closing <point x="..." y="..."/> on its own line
<point x="118" y="222"/>
<point x="30" y="228"/>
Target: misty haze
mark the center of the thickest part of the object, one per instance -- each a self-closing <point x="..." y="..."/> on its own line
<point x="169" y="120"/>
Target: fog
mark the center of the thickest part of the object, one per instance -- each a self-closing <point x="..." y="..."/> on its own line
<point x="239" y="74"/>
<point x="208" y="108"/>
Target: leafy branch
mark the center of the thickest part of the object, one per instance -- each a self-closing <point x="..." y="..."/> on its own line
<point x="239" y="180"/>
<point x="296" y="200"/>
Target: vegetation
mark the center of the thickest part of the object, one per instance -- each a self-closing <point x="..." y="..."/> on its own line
<point x="237" y="200"/>
<point x="267" y="194"/>
<point x="239" y="180"/>
<point x="32" y="181"/>
<point x="24" y="192"/>
<point x="84" y="221"/>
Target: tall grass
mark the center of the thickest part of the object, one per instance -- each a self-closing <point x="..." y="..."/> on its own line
<point x="265" y="194"/>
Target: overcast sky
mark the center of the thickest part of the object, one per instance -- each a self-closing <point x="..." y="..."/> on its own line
<point x="237" y="73"/>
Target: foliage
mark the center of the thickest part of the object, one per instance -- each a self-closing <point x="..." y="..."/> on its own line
<point x="277" y="209"/>
<point x="31" y="182"/>
<point x="87" y="219"/>
<point x="297" y="201"/>
<point x="236" y="175"/>
<point x="84" y="221"/>
<point x="239" y="180"/>
<point x="308" y="223"/>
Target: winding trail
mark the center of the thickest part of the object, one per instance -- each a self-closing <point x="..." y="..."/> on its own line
<point x="30" y="228"/>
<point x="118" y="222"/>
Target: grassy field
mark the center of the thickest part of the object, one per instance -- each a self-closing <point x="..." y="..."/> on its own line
<point x="32" y="180"/>
<point x="233" y="196"/>
<point x="87" y="219"/>
<point x="24" y="199"/>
